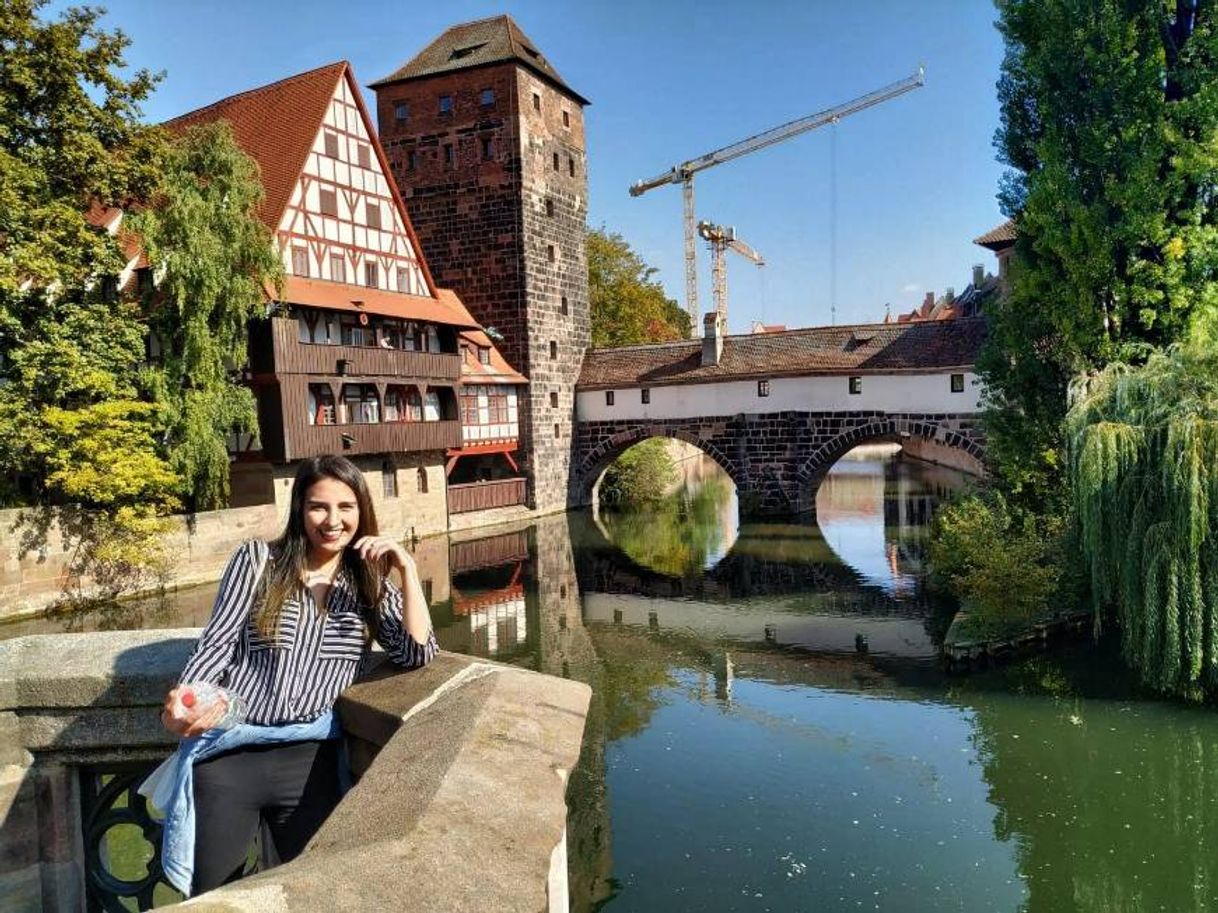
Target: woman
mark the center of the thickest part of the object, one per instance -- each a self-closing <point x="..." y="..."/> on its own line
<point x="291" y="628"/>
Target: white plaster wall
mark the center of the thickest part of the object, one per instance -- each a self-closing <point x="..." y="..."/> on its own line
<point x="887" y="393"/>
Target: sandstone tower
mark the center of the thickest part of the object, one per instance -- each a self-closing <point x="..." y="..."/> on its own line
<point x="486" y="143"/>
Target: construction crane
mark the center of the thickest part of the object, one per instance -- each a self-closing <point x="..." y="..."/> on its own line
<point x="683" y="174"/>
<point x="722" y="239"/>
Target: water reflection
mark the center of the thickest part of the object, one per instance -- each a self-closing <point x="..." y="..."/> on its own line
<point x="768" y="729"/>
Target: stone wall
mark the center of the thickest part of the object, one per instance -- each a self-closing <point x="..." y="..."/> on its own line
<point x="775" y="459"/>
<point x="435" y="751"/>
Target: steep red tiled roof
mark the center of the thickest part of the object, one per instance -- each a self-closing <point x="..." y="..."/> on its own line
<point x="1000" y="237"/>
<point x="480" y="43"/>
<point x="276" y="126"/>
<point x="864" y="349"/>
<point x="499" y="371"/>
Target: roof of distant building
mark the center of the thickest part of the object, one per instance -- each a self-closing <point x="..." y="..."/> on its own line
<point x="861" y="349"/>
<point x="759" y="327"/>
<point x="999" y="238"/>
<point x="474" y="44"/>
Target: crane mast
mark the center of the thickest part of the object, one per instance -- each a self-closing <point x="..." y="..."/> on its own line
<point x="683" y="174"/>
<point x="721" y="240"/>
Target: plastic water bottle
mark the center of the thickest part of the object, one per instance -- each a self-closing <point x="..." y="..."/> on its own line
<point x="198" y="697"/>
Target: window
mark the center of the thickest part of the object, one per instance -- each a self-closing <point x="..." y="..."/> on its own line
<point x="359" y="405"/>
<point x="564" y="307"/>
<point x="446" y="104"/>
<point x="403" y="277"/>
<point x="401" y="112"/>
<point x="448" y="155"/>
<point x="431" y="407"/>
<point x="499" y="408"/>
<point x="555" y="161"/>
<point x="645" y="396"/>
<point x="553" y="400"/>
<point x="355" y="333"/>
<point x="856" y="385"/>
<point x="550" y="252"/>
<point x="566" y="118"/>
<point x="321" y="404"/>
<point x="300" y="260"/>
<point x="763" y="388"/>
<point x="372" y="213"/>
<point x="484" y="354"/>
<point x="412" y="160"/>
<point x="371" y="277"/>
<point x="486" y="148"/>
<point x="550" y="208"/>
<point x="331" y="144"/>
<point x="469" y="407"/>
<point x="403" y="404"/>
<point x="608" y="397"/>
<point x="557" y="431"/>
<point x="536" y="102"/>
<point x="363" y="155"/>
<point x="391" y="334"/>
<point x="421" y="481"/>
<point x="553" y="349"/>
<point x="389" y="480"/>
<point x="328" y="200"/>
<point x="487" y="98"/>
<point x="957" y="383"/>
<point x="570" y="166"/>
<point x="338" y="268"/>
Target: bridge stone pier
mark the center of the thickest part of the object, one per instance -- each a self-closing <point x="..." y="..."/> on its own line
<point x="777" y="459"/>
<point x="776" y="410"/>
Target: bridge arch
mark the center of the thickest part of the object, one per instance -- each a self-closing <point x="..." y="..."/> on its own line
<point x="960" y="441"/>
<point x="586" y="474"/>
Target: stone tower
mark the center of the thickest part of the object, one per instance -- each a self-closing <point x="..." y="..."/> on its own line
<point x="486" y="143"/>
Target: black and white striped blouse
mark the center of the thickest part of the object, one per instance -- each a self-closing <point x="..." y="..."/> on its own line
<point x="297" y="675"/>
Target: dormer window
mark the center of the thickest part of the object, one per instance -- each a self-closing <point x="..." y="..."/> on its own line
<point x="484" y="354"/>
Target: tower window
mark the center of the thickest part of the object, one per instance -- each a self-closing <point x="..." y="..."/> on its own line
<point x="536" y="102"/>
<point x="555" y="161"/>
<point x="645" y="396"/>
<point x="550" y="208"/>
<point x="566" y="118"/>
<point x="331" y="144"/>
<point x="553" y="349"/>
<point x="487" y="98"/>
<point x="608" y="397"/>
<point x="448" y="155"/>
<point x="553" y="399"/>
<point x="550" y="255"/>
<point x="564" y="307"/>
<point x="412" y="160"/>
<point x="557" y="431"/>
<point x="856" y="385"/>
<point x="486" y="148"/>
<point x="328" y="202"/>
<point x="570" y="166"/>
<point x="300" y="261"/>
<point x="446" y="104"/>
<point x="401" y="112"/>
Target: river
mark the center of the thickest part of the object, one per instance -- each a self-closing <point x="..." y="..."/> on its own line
<point x="771" y="730"/>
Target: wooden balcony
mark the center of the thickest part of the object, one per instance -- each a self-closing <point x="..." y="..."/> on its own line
<point x="489" y="551"/>
<point x="275" y="348"/>
<point x="485" y="495"/>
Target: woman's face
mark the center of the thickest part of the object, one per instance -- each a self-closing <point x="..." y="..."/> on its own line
<point x="331" y="516"/>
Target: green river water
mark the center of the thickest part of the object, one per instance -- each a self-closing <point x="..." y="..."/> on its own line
<point x="771" y="729"/>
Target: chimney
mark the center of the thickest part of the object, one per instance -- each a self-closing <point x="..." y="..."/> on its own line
<point x="928" y="303"/>
<point x="978" y="275"/>
<point x="949" y="294"/>
<point x="712" y="338"/>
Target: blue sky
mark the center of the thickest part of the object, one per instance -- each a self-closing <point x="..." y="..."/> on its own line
<point x="916" y="176"/>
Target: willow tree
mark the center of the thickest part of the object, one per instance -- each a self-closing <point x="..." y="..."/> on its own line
<point x="1143" y="446"/>
<point x="213" y="263"/>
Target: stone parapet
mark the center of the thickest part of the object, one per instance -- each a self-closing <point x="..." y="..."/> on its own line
<point x="461" y="760"/>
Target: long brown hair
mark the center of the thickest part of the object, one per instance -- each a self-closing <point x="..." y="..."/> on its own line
<point x="284" y="573"/>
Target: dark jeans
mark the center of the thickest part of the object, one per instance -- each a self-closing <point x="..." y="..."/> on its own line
<point x="287" y="790"/>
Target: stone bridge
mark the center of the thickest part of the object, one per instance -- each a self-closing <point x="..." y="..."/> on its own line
<point x="776" y="410"/>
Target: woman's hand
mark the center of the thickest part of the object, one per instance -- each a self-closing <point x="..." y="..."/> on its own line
<point x="186" y="722"/>
<point x="374" y="548"/>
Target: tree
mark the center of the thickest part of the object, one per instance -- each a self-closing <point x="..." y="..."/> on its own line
<point x="1109" y="122"/>
<point x="214" y="262"/>
<point x="73" y="428"/>
<point x="628" y="306"/>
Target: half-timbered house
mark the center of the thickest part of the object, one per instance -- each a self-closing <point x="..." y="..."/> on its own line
<point x="360" y="355"/>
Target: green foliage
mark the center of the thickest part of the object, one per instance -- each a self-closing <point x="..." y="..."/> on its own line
<point x="214" y="261"/>
<point x="1000" y="563"/>
<point x="642" y="474"/>
<point x="628" y="306"/>
<point x="1110" y="126"/>
<point x="1143" y="444"/>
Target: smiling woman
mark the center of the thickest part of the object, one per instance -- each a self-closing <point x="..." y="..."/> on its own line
<point x="292" y="626"/>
